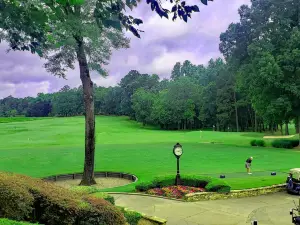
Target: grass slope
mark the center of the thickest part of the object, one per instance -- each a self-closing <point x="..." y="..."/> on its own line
<point x="53" y="146"/>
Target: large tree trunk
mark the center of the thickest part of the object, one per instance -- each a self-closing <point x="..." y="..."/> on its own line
<point x="297" y="125"/>
<point x="236" y="113"/>
<point x="287" y="128"/>
<point x="87" y="84"/>
<point x="255" y="120"/>
<point x="299" y="129"/>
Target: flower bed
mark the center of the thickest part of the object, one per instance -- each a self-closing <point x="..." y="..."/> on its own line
<point x="174" y="191"/>
<point x="204" y="182"/>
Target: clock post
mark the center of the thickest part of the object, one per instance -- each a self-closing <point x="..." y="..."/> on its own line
<point x="177" y="150"/>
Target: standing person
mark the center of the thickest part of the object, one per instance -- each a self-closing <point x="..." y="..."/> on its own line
<point x="248" y="164"/>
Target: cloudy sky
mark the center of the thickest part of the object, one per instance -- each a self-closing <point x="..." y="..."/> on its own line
<point x="162" y="45"/>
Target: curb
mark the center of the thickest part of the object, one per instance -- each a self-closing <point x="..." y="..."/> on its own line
<point x="145" y="195"/>
<point x="152" y="219"/>
<point x="98" y="174"/>
<point x="203" y="196"/>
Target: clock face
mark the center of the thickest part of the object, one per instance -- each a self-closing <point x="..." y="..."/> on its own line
<point x="178" y="151"/>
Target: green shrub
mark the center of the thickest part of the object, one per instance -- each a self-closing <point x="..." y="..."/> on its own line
<point x="28" y="199"/>
<point x="132" y="217"/>
<point x="282" y="144"/>
<point x="15" y="201"/>
<point x="101" y="212"/>
<point x="12" y="222"/>
<point x="84" y="189"/>
<point x="218" y="185"/>
<point x="105" y="196"/>
<point x="295" y="143"/>
<point x="253" y="143"/>
<point x="260" y="143"/>
<point x="210" y="184"/>
<point x="144" y="186"/>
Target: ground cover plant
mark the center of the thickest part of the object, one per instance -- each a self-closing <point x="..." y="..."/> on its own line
<point x="54" y="146"/>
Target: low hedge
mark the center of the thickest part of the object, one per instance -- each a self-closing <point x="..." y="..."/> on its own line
<point x="27" y="199"/>
<point x="132" y="217"/>
<point x="105" y="196"/>
<point x="12" y="222"/>
<point x="289" y="144"/>
<point x="209" y="183"/>
<point x="260" y="143"/>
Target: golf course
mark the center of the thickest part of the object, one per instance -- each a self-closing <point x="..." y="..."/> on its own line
<point x="49" y="146"/>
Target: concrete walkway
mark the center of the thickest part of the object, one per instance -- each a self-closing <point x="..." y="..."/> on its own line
<point x="272" y="209"/>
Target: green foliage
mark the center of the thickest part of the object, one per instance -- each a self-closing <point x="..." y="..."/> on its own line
<point x="267" y="69"/>
<point x="295" y="143"/>
<point x="132" y="217"/>
<point x="19" y="195"/>
<point x="199" y="98"/>
<point x="12" y="222"/>
<point x="142" y="102"/>
<point x="217" y="185"/>
<point x="84" y="189"/>
<point x="105" y="196"/>
<point x="282" y="144"/>
<point x="260" y="143"/>
<point x="285" y="143"/>
<point x="209" y="183"/>
<point x="253" y="143"/>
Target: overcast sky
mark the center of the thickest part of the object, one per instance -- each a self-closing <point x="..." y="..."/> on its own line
<point x="162" y="45"/>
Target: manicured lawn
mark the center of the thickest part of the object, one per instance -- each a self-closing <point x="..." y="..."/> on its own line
<point x="54" y="146"/>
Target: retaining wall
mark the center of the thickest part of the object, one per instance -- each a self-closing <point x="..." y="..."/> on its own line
<point x="202" y="196"/>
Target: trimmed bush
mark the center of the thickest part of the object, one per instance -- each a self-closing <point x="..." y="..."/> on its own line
<point x="260" y="143"/>
<point x="29" y="199"/>
<point x="144" y="186"/>
<point x="253" y="143"/>
<point x="105" y="196"/>
<point x="295" y="143"/>
<point x="209" y="183"/>
<point x="101" y="212"/>
<point x="282" y="144"/>
<point x="217" y="185"/>
<point x="132" y="217"/>
<point x="84" y="189"/>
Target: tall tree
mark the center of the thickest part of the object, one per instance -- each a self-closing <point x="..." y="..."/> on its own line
<point x="64" y="31"/>
<point x="142" y="102"/>
<point x="176" y="71"/>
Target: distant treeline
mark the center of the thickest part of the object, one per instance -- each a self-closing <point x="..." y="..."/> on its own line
<point x="196" y="97"/>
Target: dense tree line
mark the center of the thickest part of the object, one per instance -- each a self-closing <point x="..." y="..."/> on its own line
<point x="263" y="50"/>
<point x="256" y="87"/>
<point x="195" y="97"/>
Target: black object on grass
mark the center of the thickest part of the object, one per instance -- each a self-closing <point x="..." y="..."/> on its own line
<point x="273" y="174"/>
<point x="222" y="176"/>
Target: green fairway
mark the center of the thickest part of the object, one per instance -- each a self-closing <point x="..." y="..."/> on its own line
<point x="54" y="146"/>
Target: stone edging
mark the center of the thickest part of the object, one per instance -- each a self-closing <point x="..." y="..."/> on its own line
<point x="73" y="176"/>
<point x="152" y="219"/>
<point x="146" y="195"/>
<point x="202" y="196"/>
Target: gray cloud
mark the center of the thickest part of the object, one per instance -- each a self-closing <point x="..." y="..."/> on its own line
<point x="161" y="46"/>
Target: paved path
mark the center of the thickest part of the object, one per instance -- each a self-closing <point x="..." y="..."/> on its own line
<point x="272" y="209"/>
